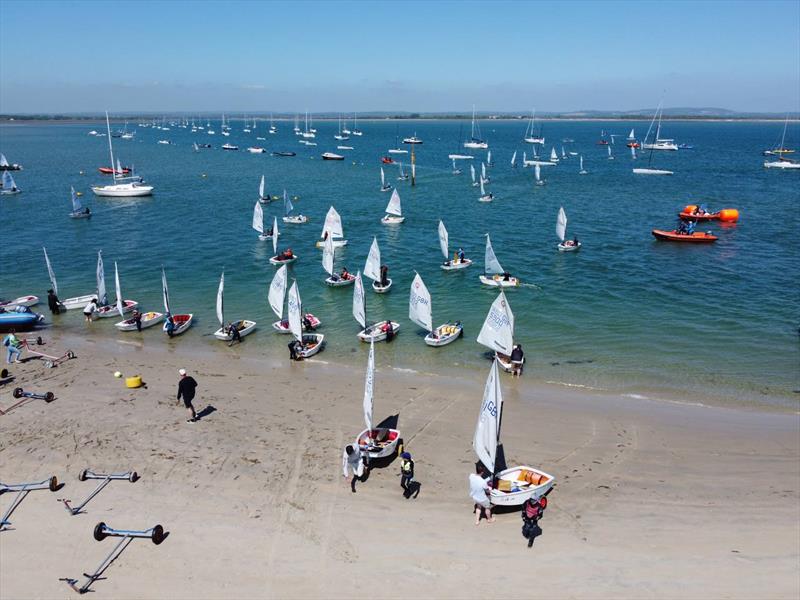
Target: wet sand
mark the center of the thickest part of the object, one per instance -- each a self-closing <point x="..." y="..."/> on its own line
<point x="653" y="499"/>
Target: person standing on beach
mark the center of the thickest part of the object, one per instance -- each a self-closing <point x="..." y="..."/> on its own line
<point x="478" y="491"/>
<point x="351" y="461"/>
<point x="12" y="344"/>
<point x="137" y="319"/>
<point x="186" y="388"/>
<point x="407" y="475"/>
<point x="90" y="309"/>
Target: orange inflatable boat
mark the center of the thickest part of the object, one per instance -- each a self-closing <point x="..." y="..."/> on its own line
<point x="727" y="215"/>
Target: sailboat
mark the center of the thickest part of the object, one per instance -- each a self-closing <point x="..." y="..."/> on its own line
<point x="472" y="175"/>
<point x="333" y="228"/>
<point x="372" y="269"/>
<point x="120" y="307"/>
<point x="287" y="210"/>
<point x="397" y="149"/>
<point x="356" y="130"/>
<point x="128" y="187"/>
<point x="456" y="170"/>
<point x="484" y="197"/>
<point x="5" y="166"/>
<point x="69" y="303"/>
<point x="78" y="211"/>
<point x="277" y="294"/>
<point x="385" y="187"/>
<point x="582" y="171"/>
<point x="649" y="170"/>
<point x="515" y="485"/>
<point x="341" y="135"/>
<point x="659" y="143"/>
<point x="181" y="322"/>
<point x="377" y="332"/>
<point x="328" y="258"/>
<point x="493" y="273"/>
<point x="514" y="160"/>
<point x="308" y="133"/>
<point x="7" y="185"/>
<point x="287" y="256"/>
<point x="272" y="129"/>
<point x="420" y="312"/>
<point x="537" y="174"/>
<point x="244" y="326"/>
<point x="262" y="198"/>
<point x="631" y="142"/>
<point x="258" y="221"/>
<point x="308" y="343"/>
<point x="403" y="176"/>
<point x="475" y="142"/>
<point x="394" y="212"/>
<point x="456" y="262"/>
<point x="561" y="232"/>
<point x="489" y="162"/>
<point x="778" y="150"/>
<point x="484" y="177"/>
<point x="530" y="135"/>
<point x="553" y="155"/>
<point x="380" y="442"/>
<point x="148" y="319"/>
<point x="610" y="155"/>
<point x="497" y="332"/>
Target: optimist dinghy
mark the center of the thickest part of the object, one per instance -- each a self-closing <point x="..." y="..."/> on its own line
<point x="377" y="332"/>
<point x="288" y="216"/>
<point x="394" y="212"/>
<point x="307" y="344"/>
<point x="497" y="332"/>
<point x="21" y="301"/>
<point x="373" y="268"/>
<point x="420" y="312"/>
<point x="456" y="262"/>
<point x="121" y="307"/>
<point x="561" y="232"/>
<point x="148" y="320"/>
<point x="225" y="332"/>
<point x="277" y="294"/>
<point x="328" y="256"/>
<point x="378" y="442"/>
<point x="180" y="323"/>
<point x="493" y="273"/>
<point x="332" y="228"/>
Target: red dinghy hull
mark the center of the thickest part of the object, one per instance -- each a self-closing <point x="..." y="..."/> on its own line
<point x="109" y="171"/>
<point x="698" y="237"/>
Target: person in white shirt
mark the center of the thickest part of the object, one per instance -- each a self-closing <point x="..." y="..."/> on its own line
<point x="352" y="461"/>
<point x="478" y="491"/>
<point x="90" y="309"/>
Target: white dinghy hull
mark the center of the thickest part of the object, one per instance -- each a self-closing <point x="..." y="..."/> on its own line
<point x="522" y="488"/>
<point x="245" y="328"/>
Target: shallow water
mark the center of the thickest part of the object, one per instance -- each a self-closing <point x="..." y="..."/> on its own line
<point x="625" y="313"/>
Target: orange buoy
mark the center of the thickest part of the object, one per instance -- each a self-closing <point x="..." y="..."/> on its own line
<point x="729" y="215"/>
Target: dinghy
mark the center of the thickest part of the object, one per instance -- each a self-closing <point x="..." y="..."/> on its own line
<point x="537" y="174"/>
<point x="693" y="212"/>
<point x="276" y="296"/>
<point x="484" y="196"/>
<point x="331" y="156"/>
<point x="5" y="166"/>
<point x="121" y="307"/>
<point x="514" y="160"/>
<point x="263" y="197"/>
<point x="378" y="442"/>
<point x="697" y="237"/>
<point x="21" y="301"/>
<point x="497" y="332"/>
<point x="403" y="176"/>
<point x="493" y="273"/>
<point x="373" y="269"/>
<point x="456" y="262"/>
<point x="377" y="332"/>
<point x="287" y="210"/>
<point x="334" y="279"/>
<point x="582" y="171"/>
<point x="180" y="322"/>
<point x="225" y="333"/>
<point x="308" y="344"/>
<point x="148" y="320"/>
<point x="69" y="303"/>
<point x="472" y="175"/>
<point x="7" y="185"/>
<point x="385" y="187"/>
<point x="394" y="212"/>
<point x="287" y="256"/>
<point x="332" y="228"/>
<point x="561" y="232"/>
<point x="515" y="485"/>
<point x="78" y="211"/>
<point x="258" y="221"/>
<point x="420" y="312"/>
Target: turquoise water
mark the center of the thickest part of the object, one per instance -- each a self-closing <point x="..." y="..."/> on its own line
<point x="625" y="313"/>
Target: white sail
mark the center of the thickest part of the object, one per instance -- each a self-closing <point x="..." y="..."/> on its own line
<point x="118" y="290"/>
<point x="383" y="179"/>
<point x="261" y="188"/>
<point x="514" y="159"/>
<point x="258" y="218"/>
<point x="497" y="332"/>
<point x="483" y="170"/>
<point x="553" y="155"/>
<point x="8" y="181"/>
<point x="489" y="157"/>
<point x="581" y="162"/>
<point x="295" y="311"/>
<point x="419" y="304"/>
<point x="102" y="298"/>
<point x="487" y="430"/>
<point x="369" y="384"/>
<point x="333" y="224"/>
<point x="359" y="309"/>
<point x="472" y="172"/>
<point x="444" y="241"/>
<point x="609" y="150"/>
<point x="631" y="136"/>
<point x="633" y="152"/>
<point x="288" y="207"/>
<point x="119" y="167"/>
<point x="277" y="291"/>
<point x="372" y="268"/>
<point x="165" y="291"/>
<point x="327" y="255"/>
<point x="76" y="203"/>
<point x="50" y="272"/>
<point x="561" y="224"/>
<point x="491" y="264"/>
<point x="220" y="306"/>
<point x="275" y="235"/>
<point x="537" y="172"/>
<point x="3" y="160"/>
<point x="393" y="208"/>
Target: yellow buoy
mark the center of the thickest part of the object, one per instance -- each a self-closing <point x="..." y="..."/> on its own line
<point x="133" y="382"/>
<point x="79" y="193"/>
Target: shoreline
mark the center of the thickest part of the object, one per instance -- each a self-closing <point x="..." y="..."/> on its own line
<point x="252" y="495"/>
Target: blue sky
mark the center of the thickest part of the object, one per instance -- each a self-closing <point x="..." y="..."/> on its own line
<point x="416" y="56"/>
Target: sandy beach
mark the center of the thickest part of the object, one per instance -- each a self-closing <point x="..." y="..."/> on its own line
<point x="653" y="499"/>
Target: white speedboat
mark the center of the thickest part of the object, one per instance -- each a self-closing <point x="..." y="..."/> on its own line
<point x="332" y="156"/>
<point x="256" y="150"/>
<point x="412" y="140"/>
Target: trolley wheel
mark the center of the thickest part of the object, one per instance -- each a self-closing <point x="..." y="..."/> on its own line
<point x="49" y="397"/>
<point x="3" y="373"/>
<point x="134" y="476"/>
<point x="48" y="364"/>
<point x="99" y="531"/>
<point x="70" y="354"/>
<point x="17" y="393"/>
<point x="82" y="475"/>
<point x="158" y="535"/>
<point x="53" y="483"/>
<point x="39" y="341"/>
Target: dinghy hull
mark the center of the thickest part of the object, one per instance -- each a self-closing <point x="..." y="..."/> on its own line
<point x="376" y="332"/>
<point x="148" y="320"/>
<point x="523" y="482"/>
<point x="380" y="442"/>
<point x="244" y="326"/>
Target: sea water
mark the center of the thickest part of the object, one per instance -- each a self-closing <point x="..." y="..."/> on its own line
<point x="626" y="313"/>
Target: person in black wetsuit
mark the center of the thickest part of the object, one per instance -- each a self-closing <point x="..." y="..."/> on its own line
<point x="384" y="275"/>
<point x="52" y="302"/>
<point x="186" y="390"/>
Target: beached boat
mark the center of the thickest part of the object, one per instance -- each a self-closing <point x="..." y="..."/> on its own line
<point x="497" y="332"/>
<point x="693" y="212"/>
<point x="561" y="232"/>
<point x="122" y="189"/>
<point x="394" y="211"/>
<point x="373" y="269"/>
<point x="276" y="297"/>
<point x="328" y="256"/>
<point x="420" y="312"/>
<point x="456" y="262"/>
<point x="19" y="318"/>
<point x="332" y="227"/>
<point x="377" y="332"/>
<point x="696" y="237"/>
<point x="21" y="301"/>
<point x="244" y="327"/>
<point x="493" y="273"/>
<point x="148" y="320"/>
<point x="378" y="442"/>
<point x="178" y="324"/>
<point x="120" y="307"/>
<point x="78" y="211"/>
<point x="308" y="344"/>
<point x="8" y="186"/>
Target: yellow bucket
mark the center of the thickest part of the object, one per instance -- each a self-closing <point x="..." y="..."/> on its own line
<point x="133" y="382"/>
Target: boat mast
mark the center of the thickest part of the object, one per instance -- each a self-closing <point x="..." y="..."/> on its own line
<point x="111" y="150"/>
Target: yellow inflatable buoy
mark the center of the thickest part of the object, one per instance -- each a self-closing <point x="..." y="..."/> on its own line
<point x="79" y="193"/>
<point x="133" y="382"/>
